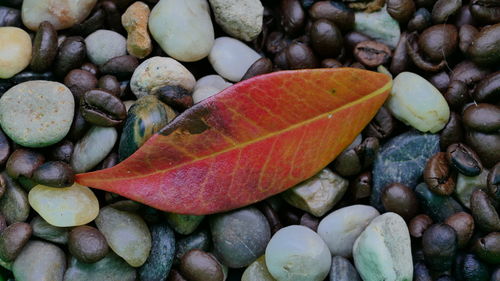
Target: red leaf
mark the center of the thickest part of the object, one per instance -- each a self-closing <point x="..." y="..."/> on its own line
<point x="253" y="140"/>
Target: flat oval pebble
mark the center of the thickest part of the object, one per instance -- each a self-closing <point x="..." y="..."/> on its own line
<point x="110" y="268"/>
<point x="103" y="45"/>
<point x="231" y="58"/>
<point x="160" y="71"/>
<point x="240" y="236"/>
<point x="379" y="25"/>
<point x="416" y="102"/>
<point x="341" y="228"/>
<point x="296" y="253"/>
<point x="61" y="14"/>
<point x="39" y="261"/>
<point x="93" y="148"/>
<point x="64" y="207"/>
<point x="37" y="113"/>
<point x="44" y="230"/>
<point x="241" y="19"/>
<point x="383" y="250"/>
<point x="15" y="51"/>
<point x="127" y="234"/>
<point x="182" y="28"/>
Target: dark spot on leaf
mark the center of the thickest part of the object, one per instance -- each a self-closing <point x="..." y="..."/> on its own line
<point x="333" y="91"/>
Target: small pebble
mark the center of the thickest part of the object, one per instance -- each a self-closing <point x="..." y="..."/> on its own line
<point x="135" y="21"/>
<point x="103" y="45"/>
<point x="241" y="19"/>
<point x="197" y="265"/>
<point x="87" y="244"/>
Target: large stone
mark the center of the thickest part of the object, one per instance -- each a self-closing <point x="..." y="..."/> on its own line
<point x="341" y="228"/>
<point x="402" y="159"/>
<point x="383" y="250"/>
<point x="64" y="207"/>
<point x="15" y="51"/>
<point x="378" y="25"/>
<point x="127" y="234"/>
<point x="182" y="28"/>
<point x="416" y="102"/>
<point x="37" y="113"/>
<point x="241" y="19"/>
<point x="318" y="194"/>
<point x="39" y="261"/>
<point x="61" y="14"/>
<point x="157" y="72"/>
<point x="110" y="268"/>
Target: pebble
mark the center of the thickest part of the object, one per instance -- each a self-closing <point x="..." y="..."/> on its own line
<point x="13" y="239"/>
<point x="183" y="28"/>
<point x="341" y="228"/>
<point x="240" y="236"/>
<point x="343" y="270"/>
<point x="416" y="102"/>
<point x="240" y="19"/>
<point x="93" y="148"/>
<point x="39" y="261"/>
<point x="257" y="271"/>
<point x="199" y="240"/>
<point x="61" y="14"/>
<point x="134" y="247"/>
<point x="296" y="253"/>
<point x="37" y="113"/>
<point x="438" y="207"/>
<point x="162" y="253"/>
<point x="318" y="194"/>
<point x="64" y="207"/>
<point x="15" y="51"/>
<point x="156" y="72"/>
<point x="87" y="244"/>
<point x="135" y="21"/>
<point x="44" y="230"/>
<point x="379" y="25"/>
<point x="14" y="204"/>
<point x="110" y="268"/>
<point x="467" y="185"/>
<point x="197" y="265"/>
<point x="402" y="159"/>
<point x="231" y="58"/>
<point x="208" y="86"/>
<point x="383" y="250"/>
<point x="103" y="45"/>
<point x="183" y="224"/>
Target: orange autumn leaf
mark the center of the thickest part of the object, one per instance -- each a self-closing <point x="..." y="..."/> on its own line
<point x="251" y="141"/>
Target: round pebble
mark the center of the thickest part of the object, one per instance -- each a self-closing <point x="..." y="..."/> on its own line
<point x="15" y="51"/>
<point x="87" y="244"/>
<point x="103" y="45"/>
<point x="37" y="113"/>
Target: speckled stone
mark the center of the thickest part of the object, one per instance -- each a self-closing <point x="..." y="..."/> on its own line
<point x="15" y="51"/>
<point x="402" y="159"/>
<point x="37" y="113"/>
<point x="135" y="21"/>
<point x="241" y="19"/>
<point x="162" y="253"/>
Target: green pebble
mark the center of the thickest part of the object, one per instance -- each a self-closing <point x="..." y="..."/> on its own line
<point x="184" y="224"/>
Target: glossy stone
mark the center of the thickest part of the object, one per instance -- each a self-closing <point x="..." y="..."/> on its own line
<point x="64" y="207"/>
<point x="439" y="244"/>
<point x="87" y="244"/>
<point x="208" y="86"/>
<point x="463" y="224"/>
<point x="199" y="240"/>
<point x="401" y="200"/>
<point x="197" y="265"/>
<point x="110" y="268"/>
<point x="184" y="224"/>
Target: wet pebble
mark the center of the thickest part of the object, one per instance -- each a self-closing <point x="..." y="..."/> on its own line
<point x="343" y="270"/>
<point x="484" y="212"/>
<point x="466" y="185"/>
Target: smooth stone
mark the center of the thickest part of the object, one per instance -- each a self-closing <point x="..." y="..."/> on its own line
<point x="231" y="58"/>
<point x="197" y="265"/>
<point x="183" y="224"/>
<point x="110" y="268"/>
<point x="199" y="240"/>
<point x="13" y="239"/>
<point x="162" y="253"/>
<point x="15" y="51"/>
<point x="240" y="236"/>
<point x="182" y="28"/>
<point x="318" y="194"/>
<point x="61" y="14"/>
<point x="44" y="230"/>
<point x="145" y="118"/>
<point x="39" y="261"/>
<point x="127" y="234"/>
<point x="157" y="72"/>
<point x="14" y="205"/>
<point x="241" y="19"/>
<point x="341" y="228"/>
<point x="379" y="26"/>
<point x="208" y="86"/>
<point x="383" y="250"/>
<point x="103" y="45"/>
<point x="343" y="270"/>
<point x="135" y="21"/>
<point x="438" y="207"/>
<point x="465" y="186"/>
<point x="416" y="102"/>
<point x="90" y="150"/>
<point x="402" y="159"/>
<point x="64" y="207"/>
<point x="37" y="113"/>
<point x="296" y="253"/>
<point x="257" y="271"/>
